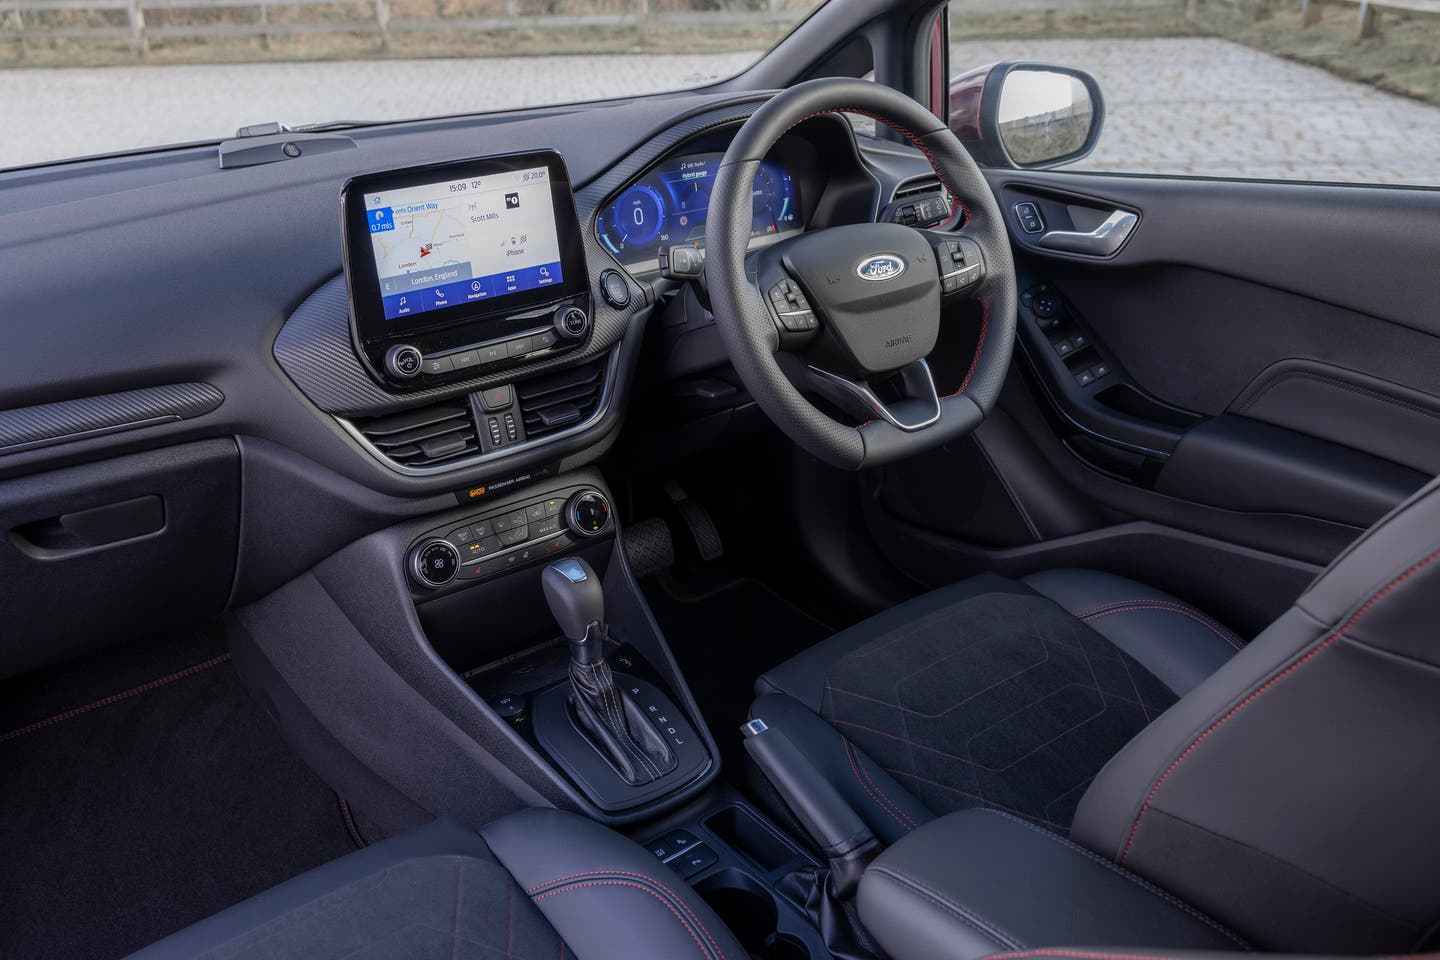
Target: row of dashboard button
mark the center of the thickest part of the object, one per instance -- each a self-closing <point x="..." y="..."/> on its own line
<point x="532" y="522"/>
<point x="490" y="352"/>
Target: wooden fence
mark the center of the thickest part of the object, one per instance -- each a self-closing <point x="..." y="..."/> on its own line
<point x="18" y="20"/>
<point x="22" y="20"/>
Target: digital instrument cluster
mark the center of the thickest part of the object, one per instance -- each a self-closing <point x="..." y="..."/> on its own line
<point x="670" y="205"/>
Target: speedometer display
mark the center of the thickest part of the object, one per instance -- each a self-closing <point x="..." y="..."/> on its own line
<point x="670" y="204"/>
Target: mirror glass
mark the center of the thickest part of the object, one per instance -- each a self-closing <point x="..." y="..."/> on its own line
<point x="1044" y="115"/>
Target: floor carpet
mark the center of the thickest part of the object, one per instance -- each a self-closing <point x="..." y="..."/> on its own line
<point x="144" y="790"/>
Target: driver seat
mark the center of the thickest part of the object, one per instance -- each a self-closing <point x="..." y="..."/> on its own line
<point x="991" y="692"/>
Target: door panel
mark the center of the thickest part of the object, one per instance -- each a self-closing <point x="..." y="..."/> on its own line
<point x="1257" y="362"/>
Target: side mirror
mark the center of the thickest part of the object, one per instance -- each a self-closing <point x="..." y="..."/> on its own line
<point x="1026" y="115"/>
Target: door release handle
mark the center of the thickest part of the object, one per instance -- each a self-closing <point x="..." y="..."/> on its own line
<point x="1103" y="241"/>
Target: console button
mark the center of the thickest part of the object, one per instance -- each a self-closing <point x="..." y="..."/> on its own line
<point x="536" y="511"/>
<point x="553" y="505"/>
<point x="496" y="398"/>
<point x="518" y="347"/>
<point x="588" y="513"/>
<point x="434" y="563"/>
<point x="515" y="535"/>
<point x="461" y="536"/>
<point x="693" y="860"/>
<point x="403" y="361"/>
<point x="481" y="529"/>
<point x="546" y="527"/>
<point x="439" y="365"/>
<point x="470" y="358"/>
<point x="501" y="524"/>
<point x="483" y="547"/>
<point x="614" y="289"/>
<point x="542" y="340"/>
<point x="493" y="353"/>
<point x="509" y="706"/>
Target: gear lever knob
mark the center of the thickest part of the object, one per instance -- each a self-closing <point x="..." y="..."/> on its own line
<point x="577" y="602"/>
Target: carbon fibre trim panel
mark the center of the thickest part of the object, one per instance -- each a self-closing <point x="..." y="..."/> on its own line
<point x="314" y="346"/>
<point x="26" y="428"/>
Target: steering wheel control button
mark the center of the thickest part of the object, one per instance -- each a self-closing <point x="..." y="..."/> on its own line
<point x="614" y="289"/>
<point x="588" y="513"/>
<point x="1029" y="216"/>
<point x="792" y="310"/>
<point x="403" y="362"/>
<point x="434" y="563"/>
<point x="961" y="264"/>
<point x="571" y="322"/>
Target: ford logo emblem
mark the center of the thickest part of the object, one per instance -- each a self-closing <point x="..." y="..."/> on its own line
<point x="881" y="267"/>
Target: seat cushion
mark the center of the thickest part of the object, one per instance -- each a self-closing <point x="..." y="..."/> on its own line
<point x="547" y="884"/>
<point x="989" y="693"/>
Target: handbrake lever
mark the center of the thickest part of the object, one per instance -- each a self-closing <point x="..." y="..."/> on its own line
<point x="832" y="823"/>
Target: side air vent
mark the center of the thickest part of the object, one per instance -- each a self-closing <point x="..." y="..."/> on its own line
<point x="559" y="400"/>
<point x="919" y="187"/>
<point x="424" y="436"/>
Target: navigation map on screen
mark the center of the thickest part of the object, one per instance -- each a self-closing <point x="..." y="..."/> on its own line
<point x="463" y="241"/>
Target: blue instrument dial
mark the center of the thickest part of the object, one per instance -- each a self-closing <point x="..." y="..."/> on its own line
<point x="671" y="204"/>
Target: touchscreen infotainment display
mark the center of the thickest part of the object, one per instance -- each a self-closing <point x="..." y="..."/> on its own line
<point x="451" y="253"/>
<point x="463" y="241"/>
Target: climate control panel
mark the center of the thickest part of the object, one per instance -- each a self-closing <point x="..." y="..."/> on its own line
<point x="495" y="542"/>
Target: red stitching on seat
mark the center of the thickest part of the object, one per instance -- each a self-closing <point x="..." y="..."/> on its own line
<point x="626" y="883"/>
<point x="1157" y="600"/>
<point x="1142" y="605"/>
<point x="114" y="698"/>
<point x="647" y="878"/>
<point x="1364" y="609"/>
<point x="888" y="805"/>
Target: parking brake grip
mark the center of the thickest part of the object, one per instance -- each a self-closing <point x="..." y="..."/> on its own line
<point x="607" y="717"/>
<point x="832" y="823"/>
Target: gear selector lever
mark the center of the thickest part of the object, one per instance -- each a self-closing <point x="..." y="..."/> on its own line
<point x="602" y="711"/>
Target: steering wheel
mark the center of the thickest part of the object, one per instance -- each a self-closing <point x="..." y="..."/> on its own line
<point x="852" y="312"/>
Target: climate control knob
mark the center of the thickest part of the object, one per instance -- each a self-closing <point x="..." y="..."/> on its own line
<point x="403" y="361"/>
<point x="434" y="563"/>
<point x="571" y="322"/>
<point x="587" y="513"/>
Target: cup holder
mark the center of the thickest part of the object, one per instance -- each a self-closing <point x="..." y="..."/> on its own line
<point x="748" y="909"/>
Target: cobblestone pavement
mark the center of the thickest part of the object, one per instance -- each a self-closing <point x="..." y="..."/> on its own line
<point x="1183" y="106"/>
<point x="1214" y="108"/>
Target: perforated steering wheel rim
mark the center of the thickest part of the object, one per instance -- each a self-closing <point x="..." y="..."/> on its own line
<point x="748" y="330"/>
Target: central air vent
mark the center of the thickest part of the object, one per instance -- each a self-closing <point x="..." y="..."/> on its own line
<point x="919" y="187"/>
<point x="560" y="400"/>
<point x="424" y="436"/>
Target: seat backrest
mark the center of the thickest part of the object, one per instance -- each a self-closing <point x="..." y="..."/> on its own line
<point x="1295" y="794"/>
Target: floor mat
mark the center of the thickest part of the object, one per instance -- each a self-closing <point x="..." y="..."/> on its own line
<point x="723" y="640"/>
<point x="144" y="790"/>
